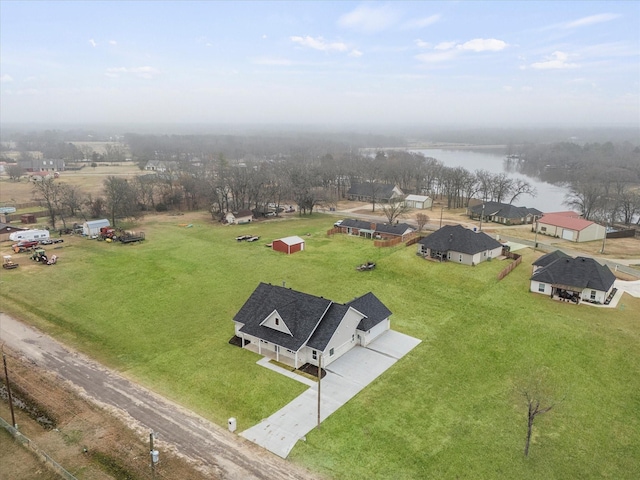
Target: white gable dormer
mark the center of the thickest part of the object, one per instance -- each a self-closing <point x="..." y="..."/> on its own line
<point x="274" y="320"/>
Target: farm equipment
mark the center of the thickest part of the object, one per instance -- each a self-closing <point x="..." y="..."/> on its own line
<point x="8" y="263"/>
<point x="366" y="266"/>
<point x="39" y="255"/>
<point x="109" y="232"/>
<point x="131" y="237"/>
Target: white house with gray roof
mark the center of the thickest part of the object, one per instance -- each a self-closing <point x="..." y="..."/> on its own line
<point x="295" y="327"/>
<point x="458" y="244"/>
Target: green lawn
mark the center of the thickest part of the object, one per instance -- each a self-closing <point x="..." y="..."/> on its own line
<point x="161" y="312"/>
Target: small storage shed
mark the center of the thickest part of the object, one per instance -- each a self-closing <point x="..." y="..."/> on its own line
<point x="28" y="218"/>
<point x="93" y="227"/>
<point x="289" y="244"/>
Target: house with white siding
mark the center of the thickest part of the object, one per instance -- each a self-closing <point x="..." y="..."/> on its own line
<point x="296" y="328"/>
<point x="576" y="279"/>
<point x="455" y="243"/>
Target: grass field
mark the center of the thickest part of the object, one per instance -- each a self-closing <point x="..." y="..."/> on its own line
<point x="162" y="312"/>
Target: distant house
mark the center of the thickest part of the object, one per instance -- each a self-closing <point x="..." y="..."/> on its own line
<point x="375" y="230"/>
<point x="572" y="278"/>
<point x="296" y="327"/>
<point x="458" y="244"/>
<point x="419" y="202"/>
<point x="243" y="216"/>
<point x="288" y="245"/>
<point x="93" y="227"/>
<point x="160" y="166"/>
<point x="42" y="164"/>
<point x="7" y="229"/>
<point x="368" y="191"/>
<point x="504" y="213"/>
<point x="570" y="226"/>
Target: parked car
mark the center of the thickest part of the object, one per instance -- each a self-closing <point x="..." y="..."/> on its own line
<point x="338" y="223"/>
<point x="24" y="246"/>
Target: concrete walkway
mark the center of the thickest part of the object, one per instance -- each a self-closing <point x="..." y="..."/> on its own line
<point x="345" y="377"/>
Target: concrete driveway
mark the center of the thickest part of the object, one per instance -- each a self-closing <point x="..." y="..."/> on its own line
<point x="345" y="377"/>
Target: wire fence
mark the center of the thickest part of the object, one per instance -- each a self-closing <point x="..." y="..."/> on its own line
<point x="42" y="455"/>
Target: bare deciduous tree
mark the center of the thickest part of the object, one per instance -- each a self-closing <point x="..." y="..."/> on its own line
<point x="422" y="219"/>
<point x="394" y="209"/>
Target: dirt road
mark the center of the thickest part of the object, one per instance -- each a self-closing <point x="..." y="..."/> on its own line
<point x="223" y="454"/>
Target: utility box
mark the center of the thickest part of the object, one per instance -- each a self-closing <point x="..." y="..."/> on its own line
<point x="232" y="424"/>
<point x="155" y="456"/>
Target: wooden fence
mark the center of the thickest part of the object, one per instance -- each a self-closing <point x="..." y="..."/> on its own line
<point x="394" y="241"/>
<point x="506" y="271"/>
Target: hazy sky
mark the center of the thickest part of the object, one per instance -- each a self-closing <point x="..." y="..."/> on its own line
<point x="456" y="63"/>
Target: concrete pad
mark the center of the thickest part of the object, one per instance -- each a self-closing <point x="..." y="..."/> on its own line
<point x="632" y="288"/>
<point x="345" y="377"/>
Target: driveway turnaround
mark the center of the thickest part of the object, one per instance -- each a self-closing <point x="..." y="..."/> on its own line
<point x="345" y="378"/>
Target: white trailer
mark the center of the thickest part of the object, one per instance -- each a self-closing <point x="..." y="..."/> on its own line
<point x="29" y="235"/>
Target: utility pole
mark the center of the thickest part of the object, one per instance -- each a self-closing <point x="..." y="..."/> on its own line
<point x="6" y="375"/>
<point x="151" y="454"/>
<point x="441" y="210"/>
<point x="481" y="216"/>
<point x="319" y="380"/>
<point x="535" y="240"/>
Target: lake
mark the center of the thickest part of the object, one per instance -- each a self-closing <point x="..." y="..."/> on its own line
<point x="549" y="197"/>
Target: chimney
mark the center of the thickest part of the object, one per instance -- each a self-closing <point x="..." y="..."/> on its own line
<point x="373" y="226"/>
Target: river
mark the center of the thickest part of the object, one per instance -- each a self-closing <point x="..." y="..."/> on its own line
<point x="549" y="197"/>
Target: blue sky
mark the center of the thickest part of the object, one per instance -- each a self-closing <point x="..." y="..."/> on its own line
<point x="381" y="63"/>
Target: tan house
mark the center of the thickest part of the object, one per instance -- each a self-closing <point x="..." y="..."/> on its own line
<point x="243" y="216"/>
<point x="569" y="226"/>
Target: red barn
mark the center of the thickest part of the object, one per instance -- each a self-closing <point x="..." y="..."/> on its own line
<point x="289" y="244"/>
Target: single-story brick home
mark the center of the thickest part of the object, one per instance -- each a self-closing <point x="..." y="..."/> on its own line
<point x="579" y="278"/>
<point x="458" y="244"/>
<point x="419" y="202"/>
<point x="295" y="327"/>
<point x="366" y="192"/>
<point x="504" y="213"/>
<point x="375" y="230"/>
<point x="570" y="226"/>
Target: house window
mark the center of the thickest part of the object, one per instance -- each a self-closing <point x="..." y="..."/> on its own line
<point x="593" y="295"/>
<point x="277" y="321"/>
<point x="314" y="354"/>
<point x="541" y="287"/>
<point x="543" y="229"/>
<point x="353" y="337"/>
<point x="485" y="254"/>
<point x="460" y="257"/>
<point x="331" y="352"/>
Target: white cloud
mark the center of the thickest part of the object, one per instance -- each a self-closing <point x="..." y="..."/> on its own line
<point x="484" y="45"/>
<point x="6" y="78"/>
<point x="444" y="51"/>
<point x="112" y="42"/>
<point x="557" y="60"/>
<point x="141" y="72"/>
<point x="369" y="19"/>
<point x="422" y="43"/>
<point x="319" y="43"/>
<point x="272" y="61"/>
<point x="93" y="43"/>
<point x="592" y="20"/>
<point x="445" y="46"/>
<point x="507" y="88"/>
<point x="421" y="22"/>
<point x="264" y="37"/>
<point x="355" y="53"/>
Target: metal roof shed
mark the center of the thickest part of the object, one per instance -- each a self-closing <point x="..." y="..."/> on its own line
<point x="288" y="245"/>
<point x="93" y="227"/>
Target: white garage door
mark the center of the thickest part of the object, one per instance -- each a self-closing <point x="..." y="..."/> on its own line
<point x="567" y="234"/>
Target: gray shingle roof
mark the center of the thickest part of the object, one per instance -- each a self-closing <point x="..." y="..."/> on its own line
<point x="374" y="310"/>
<point x="368" y="189"/>
<point x="312" y="320"/>
<point x="395" y="229"/>
<point x="359" y="224"/>
<point x="504" y="210"/>
<point x="579" y="272"/>
<point x="459" y="239"/>
<point x="545" y="260"/>
<point x="300" y="312"/>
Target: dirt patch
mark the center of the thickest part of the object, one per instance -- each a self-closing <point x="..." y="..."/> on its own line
<point x="86" y="440"/>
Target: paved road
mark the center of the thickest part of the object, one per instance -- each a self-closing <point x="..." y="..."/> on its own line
<point x="223" y="454"/>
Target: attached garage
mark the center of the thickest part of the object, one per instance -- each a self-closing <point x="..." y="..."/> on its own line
<point x="288" y="245"/>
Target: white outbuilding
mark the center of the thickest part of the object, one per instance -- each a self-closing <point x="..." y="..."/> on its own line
<point x="93" y="227"/>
